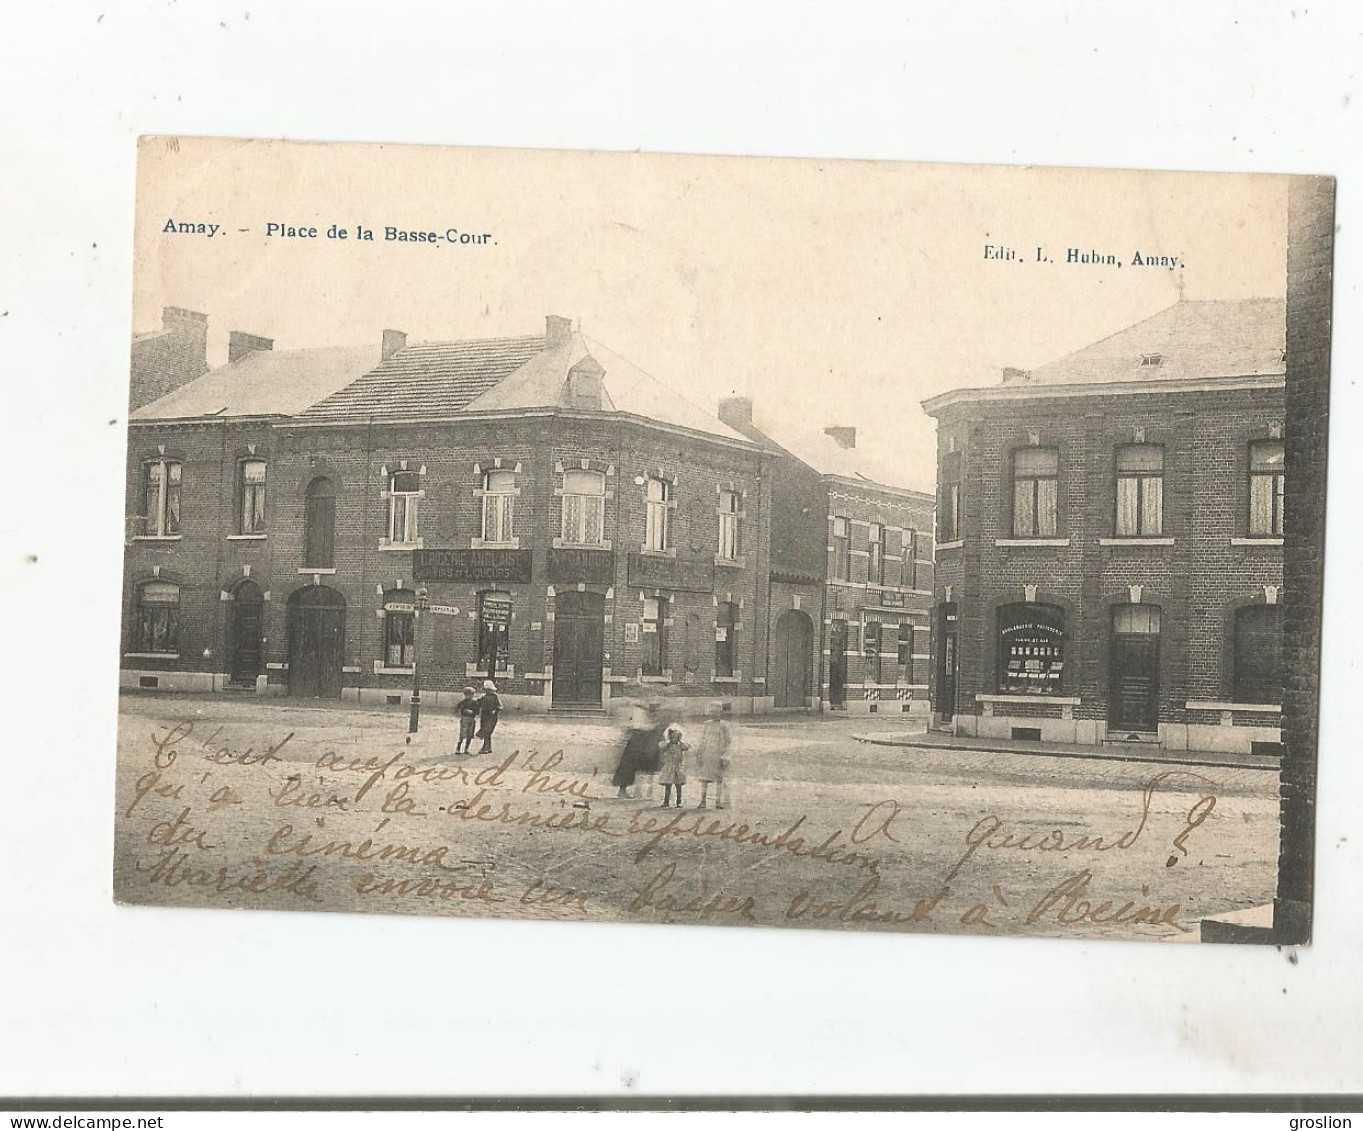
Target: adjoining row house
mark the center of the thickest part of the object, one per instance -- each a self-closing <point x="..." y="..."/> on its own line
<point x="851" y="574"/>
<point x="163" y="360"/>
<point x="1109" y="539"/>
<point x="580" y="530"/>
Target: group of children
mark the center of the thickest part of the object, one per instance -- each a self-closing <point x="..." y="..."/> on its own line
<point x="664" y="760"/>
<point x="481" y="712"/>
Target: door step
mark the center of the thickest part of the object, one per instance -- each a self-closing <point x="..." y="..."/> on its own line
<point x="578" y="712"/>
<point x="1132" y="738"/>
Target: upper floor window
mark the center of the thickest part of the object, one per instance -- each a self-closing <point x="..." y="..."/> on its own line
<point x="1140" y="491"/>
<point x="319" y="524"/>
<point x="658" y="497"/>
<point x="584" y="508"/>
<point x="404" y="493"/>
<point x="726" y="626"/>
<point x="908" y="564"/>
<point x="1035" y="487"/>
<point x="842" y="557"/>
<point x="399" y="628"/>
<point x="161" y="498"/>
<point x="499" y="506"/>
<point x="875" y="550"/>
<point x="949" y="501"/>
<point x="251" y="497"/>
<point x="158" y="612"/>
<point x="1266" y="485"/>
<point x="728" y="525"/>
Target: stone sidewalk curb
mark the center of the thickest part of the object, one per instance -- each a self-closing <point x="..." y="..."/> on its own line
<point x="1089" y="753"/>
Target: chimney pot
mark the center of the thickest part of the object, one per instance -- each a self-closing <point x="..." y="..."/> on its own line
<point x="557" y="330"/>
<point x="843" y="436"/>
<point x="393" y="341"/>
<point x="736" y="412"/>
<point x="239" y="344"/>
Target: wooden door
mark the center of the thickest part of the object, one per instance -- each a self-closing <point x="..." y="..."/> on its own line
<point x="1134" y="686"/>
<point x="579" y="643"/>
<point x="248" y="616"/>
<point x="316" y="642"/>
<point x="791" y="662"/>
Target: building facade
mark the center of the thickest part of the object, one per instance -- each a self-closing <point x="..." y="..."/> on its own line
<point x="1109" y="539"/>
<point x="535" y="510"/>
<point x="851" y="579"/>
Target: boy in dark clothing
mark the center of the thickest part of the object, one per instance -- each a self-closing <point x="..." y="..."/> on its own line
<point x="489" y="707"/>
<point x="468" y="717"/>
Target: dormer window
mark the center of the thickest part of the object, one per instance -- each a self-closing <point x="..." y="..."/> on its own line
<point x="584" y="384"/>
<point x="1151" y="360"/>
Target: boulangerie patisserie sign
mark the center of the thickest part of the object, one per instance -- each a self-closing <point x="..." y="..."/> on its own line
<point x="755" y="542"/>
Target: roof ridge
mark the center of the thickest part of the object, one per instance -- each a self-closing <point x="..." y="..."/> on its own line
<point x="656" y="380"/>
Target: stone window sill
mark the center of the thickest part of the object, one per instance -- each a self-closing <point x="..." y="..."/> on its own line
<point x="1031" y="700"/>
<point x="560" y="544"/>
<point x="729" y="563"/>
<point x="151" y="655"/>
<point x="737" y="678"/>
<point x="1018" y="543"/>
<point x="472" y="670"/>
<point x="955" y="544"/>
<point x="484" y="544"/>
<point x="328" y="571"/>
<point x="668" y="553"/>
<point x="247" y="537"/>
<point x="666" y="677"/>
<point x="157" y="537"/>
<point x="1247" y="708"/>
<point x="1135" y="541"/>
<point x="399" y="546"/>
<point x="380" y="669"/>
<point x="1256" y="541"/>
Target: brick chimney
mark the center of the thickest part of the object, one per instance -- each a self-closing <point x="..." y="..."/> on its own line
<point x="557" y="330"/>
<point x="844" y="437"/>
<point x="191" y="330"/>
<point x="240" y="343"/>
<point x="1014" y="376"/>
<point x="736" y="412"/>
<point x="393" y="341"/>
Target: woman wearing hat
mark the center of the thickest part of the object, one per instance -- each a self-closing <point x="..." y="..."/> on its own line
<point x="489" y="707"/>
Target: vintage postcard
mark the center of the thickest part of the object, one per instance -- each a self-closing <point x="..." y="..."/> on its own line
<point x="750" y="542"/>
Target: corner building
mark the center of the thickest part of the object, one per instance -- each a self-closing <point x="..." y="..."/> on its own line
<point x="1109" y="539"/>
<point x="581" y="531"/>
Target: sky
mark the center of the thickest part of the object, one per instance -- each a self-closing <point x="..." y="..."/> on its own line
<point x="830" y="292"/>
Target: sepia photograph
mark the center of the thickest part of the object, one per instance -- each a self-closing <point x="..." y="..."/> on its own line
<point x="725" y="541"/>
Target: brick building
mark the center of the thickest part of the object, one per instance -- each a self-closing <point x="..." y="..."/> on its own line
<point x="165" y="359"/>
<point x="850" y="590"/>
<point x="1109" y="539"/>
<point x="581" y="531"/>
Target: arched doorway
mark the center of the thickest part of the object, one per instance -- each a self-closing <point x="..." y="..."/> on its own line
<point x="316" y="642"/>
<point x="243" y="636"/>
<point x="579" y="642"/>
<point x="791" y="662"/>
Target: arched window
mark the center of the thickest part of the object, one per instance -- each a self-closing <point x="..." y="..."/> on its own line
<point x="1031" y="649"/>
<point x="499" y="502"/>
<point x="319" y="524"/>
<point x="726" y="646"/>
<point x="658" y="495"/>
<point x="251" y="496"/>
<point x="158" y="613"/>
<point x="1258" y="654"/>
<point x="399" y="628"/>
<point x="404" y="493"/>
<point x="584" y="508"/>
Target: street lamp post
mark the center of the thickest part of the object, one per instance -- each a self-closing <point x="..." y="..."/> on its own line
<point x="422" y="602"/>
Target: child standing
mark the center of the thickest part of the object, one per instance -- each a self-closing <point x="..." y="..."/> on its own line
<point x="712" y="757"/>
<point x="670" y="756"/>
<point x="489" y="708"/>
<point x="468" y="719"/>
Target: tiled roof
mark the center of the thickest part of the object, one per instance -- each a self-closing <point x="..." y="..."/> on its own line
<point x="1193" y="340"/>
<point x="265" y="383"/>
<point x="816" y="449"/>
<point x="501" y="375"/>
<point x="428" y="379"/>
